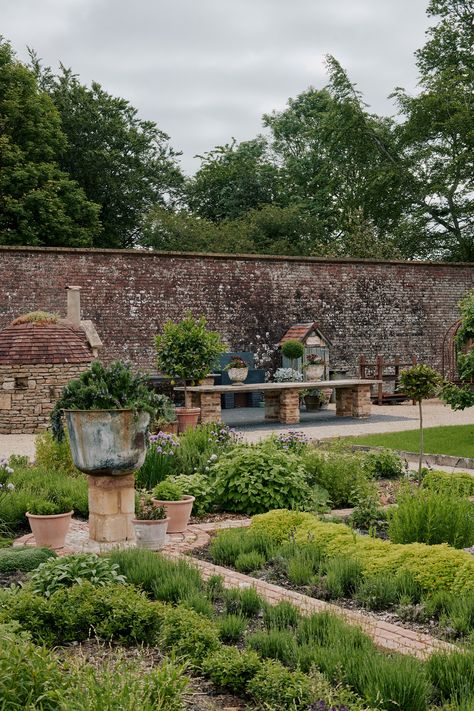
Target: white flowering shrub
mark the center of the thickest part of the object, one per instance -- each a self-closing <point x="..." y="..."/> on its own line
<point x="287" y="375"/>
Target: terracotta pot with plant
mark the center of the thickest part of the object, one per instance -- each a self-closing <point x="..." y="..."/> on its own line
<point x="178" y="506"/>
<point x="50" y="521"/>
<point x="187" y="351"/>
<point x="314" y="399"/>
<point x="237" y="370"/>
<point x="150" y="523"/>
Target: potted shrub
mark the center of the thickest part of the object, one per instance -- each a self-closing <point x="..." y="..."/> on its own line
<point x="150" y="523"/>
<point x="237" y="370"/>
<point x="314" y="399"/>
<point x="165" y="420"/>
<point x="178" y="506"/>
<point x="187" y="350"/>
<point x="287" y="375"/>
<point x="314" y="367"/>
<point x="107" y="411"/>
<point x="49" y="521"/>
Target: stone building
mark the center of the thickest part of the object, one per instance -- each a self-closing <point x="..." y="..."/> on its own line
<point x="37" y="358"/>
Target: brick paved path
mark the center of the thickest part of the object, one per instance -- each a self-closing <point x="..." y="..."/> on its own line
<point x="386" y="635"/>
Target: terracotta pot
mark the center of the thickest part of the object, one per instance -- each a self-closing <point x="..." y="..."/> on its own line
<point x="188" y="417"/>
<point x="312" y="403"/>
<point x="150" y="534"/>
<point x="50" y="531"/>
<point x="314" y="372"/>
<point x="237" y="375"/>
<point x="107" y="442"/>
<point x="178" y="512"/>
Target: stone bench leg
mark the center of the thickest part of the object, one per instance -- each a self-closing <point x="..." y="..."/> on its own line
<point x="361" y="402"/>
<point x="272" y="405"/>
<point x="210" y="407"/>
<point x="111" y="510"/>
<point x="344" y="398"/>
<point x="289" y="407"/>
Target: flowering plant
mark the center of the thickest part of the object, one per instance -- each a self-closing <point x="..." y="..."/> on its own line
<point x="236" y="362"/>
<point x="163" y="443"/>
<point x="6" y="487"/>
<point x="159" y="461"/>
<point x="295" y="442"/>
<point x="287" y="375"/>
<point x="145" y="510"/>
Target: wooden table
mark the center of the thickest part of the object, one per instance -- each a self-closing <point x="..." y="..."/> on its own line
<point x="282" y="400"/>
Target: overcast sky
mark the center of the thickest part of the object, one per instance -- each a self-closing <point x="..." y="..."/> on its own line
<point x="206" y="70"/>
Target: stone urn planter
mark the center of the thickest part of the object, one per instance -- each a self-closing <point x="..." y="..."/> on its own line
<point x="151" y="534"/>
<point x="50" y="531"/>
<point x="109" y="445"/>
<point x="178" y="512"/>
<point x="314" y="371"/>
<point x="237" y="375"/>
<point x="188" y="417"/>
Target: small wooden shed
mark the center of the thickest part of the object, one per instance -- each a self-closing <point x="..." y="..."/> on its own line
<point x="314" y="342"/>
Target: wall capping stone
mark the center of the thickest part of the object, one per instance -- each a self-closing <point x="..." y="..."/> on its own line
<point x="232" y="256"/>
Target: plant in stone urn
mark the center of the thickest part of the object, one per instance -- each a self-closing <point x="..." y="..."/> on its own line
<point x="49" y="521"/>
<point x="237" y="370"/>
<point x="187" y="350"/>
<point x="314" y="367"/>
<point x="107" y="412"/>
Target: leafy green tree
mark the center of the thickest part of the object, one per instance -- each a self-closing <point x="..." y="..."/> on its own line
<point x="39" y="203"/>
<point x="436" y="137"/>
<point x="419" y="383"/>
<point x="232" y="180"/>
<point x="460" y="397"/>
<point x="124" y="164"/>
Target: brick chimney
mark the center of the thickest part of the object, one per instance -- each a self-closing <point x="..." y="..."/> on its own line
<point x="74" y="305"/>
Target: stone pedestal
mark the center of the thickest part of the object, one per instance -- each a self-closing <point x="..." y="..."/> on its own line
<point x="210" y="407"/>
<point x="361" y="402"/>
<point x="272" y="405"/>
<point x="344" y="402"/>
<point x="111" y="510"/>
<point x="289" y="407"/>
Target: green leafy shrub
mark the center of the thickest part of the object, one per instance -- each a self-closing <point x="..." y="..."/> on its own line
<point x="231" y="668"/>
<point x="279" y="689"/>
<point x="245" y="601"/>
<point x="23" y="559"/>
<point x="452" y="676"/>
<point x="430" y="517"/>
<point x="453" y="484"/>
<point x="339" y="472"/>
<point x="378" y="592"/>
<point x="163" y="579"/>
<point x="198" y="602"/>
<point x="383" y="464"/>
<point x="231" y="627"/>
<point x="188" y="635"/>
<point x="248" y="562"/>
<point x="111" y="387"/>
<point x="256" y="478"/>
<point x="275" y="644"/>
<point x="342" y="576"/>
<point x="227" y="545"/>
<point x="281" y="616"/>
<point x="71" y="570"/>
<point x="433" y="568"/>
<point x="200" y="447"/>
<point x="45" y="507"/>
<point x="367" y="512"/>
<point x="168" y="490"/>
<point x="299" y="569"/>
<point x="51" y="454"/>
<point x="393" y="683"/>
<point x="461" y="613"/>
<point x="199" y="486"/>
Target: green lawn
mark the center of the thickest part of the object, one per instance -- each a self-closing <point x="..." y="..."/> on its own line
<point x="456" y="440"/>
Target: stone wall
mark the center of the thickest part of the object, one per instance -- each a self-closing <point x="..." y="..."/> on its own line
<point x="28" y="393"/>
<point x="364" y="306"/>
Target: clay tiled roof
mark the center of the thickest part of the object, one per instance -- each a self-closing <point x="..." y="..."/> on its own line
<point x="32" y="343"/>
<point x="297" y="332"/>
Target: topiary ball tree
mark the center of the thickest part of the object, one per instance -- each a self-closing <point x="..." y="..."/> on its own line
<point x="419" y="383"/>
<point x="293" y="350"/>
<point x="187" y="350"/>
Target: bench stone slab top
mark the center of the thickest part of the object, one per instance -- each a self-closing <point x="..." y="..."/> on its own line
<point x="296" y="385"/>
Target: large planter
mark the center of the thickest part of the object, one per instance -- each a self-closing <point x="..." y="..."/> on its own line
<point x="312" y="403"/>
<point x="150" y="534"/>
<point x="178" y="512"/>
<point x="237" y="375"/>
<point x="107" y="442"/>
<point x="188" y="417"/>
<point x="315" y="371"/>
<point x="50" y="531"/>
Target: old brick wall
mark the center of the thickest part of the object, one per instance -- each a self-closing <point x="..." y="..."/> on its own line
<point x="371" y="307"/>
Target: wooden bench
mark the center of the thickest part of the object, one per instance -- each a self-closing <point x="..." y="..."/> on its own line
<point x="282" y="400"/>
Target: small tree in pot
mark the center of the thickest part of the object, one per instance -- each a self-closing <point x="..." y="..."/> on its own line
<point x="292" y="349"/>
<point x="187" y="350"/>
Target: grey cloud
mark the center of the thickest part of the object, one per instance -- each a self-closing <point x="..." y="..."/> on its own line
<point x="206" y="70"/>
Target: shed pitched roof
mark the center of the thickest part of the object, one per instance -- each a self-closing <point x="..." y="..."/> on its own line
<point x="50" y="343"/>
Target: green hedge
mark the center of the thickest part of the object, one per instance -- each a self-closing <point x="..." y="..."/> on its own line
<point x="456" y="484"/>
<point x="438" y="567"/>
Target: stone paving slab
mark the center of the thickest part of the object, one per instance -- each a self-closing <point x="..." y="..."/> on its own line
<point x="386" y="635"/>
